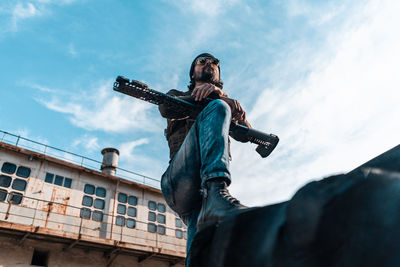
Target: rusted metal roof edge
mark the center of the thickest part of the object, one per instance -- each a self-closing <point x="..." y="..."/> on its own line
<point x="38" y="155"/>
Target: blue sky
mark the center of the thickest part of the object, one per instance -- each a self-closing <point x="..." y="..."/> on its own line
<point x="322" y="75"/>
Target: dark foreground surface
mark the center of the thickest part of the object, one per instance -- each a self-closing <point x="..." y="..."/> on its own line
<point x="344" y="220"/>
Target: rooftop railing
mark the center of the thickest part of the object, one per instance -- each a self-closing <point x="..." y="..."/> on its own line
<point x="63" y="218"/>
<point x="80" y="160"/>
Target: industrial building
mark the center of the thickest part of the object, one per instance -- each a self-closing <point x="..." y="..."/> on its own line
<point x="61" y="209"/>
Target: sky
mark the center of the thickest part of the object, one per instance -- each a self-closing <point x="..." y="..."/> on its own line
<point x="322" y="75"/>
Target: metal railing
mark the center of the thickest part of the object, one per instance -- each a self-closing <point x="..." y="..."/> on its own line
<point x="40" y="213"/>
<point x="82" y="161"/>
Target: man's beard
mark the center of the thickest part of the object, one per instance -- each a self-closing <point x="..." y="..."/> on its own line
<point x="207" y="76"/>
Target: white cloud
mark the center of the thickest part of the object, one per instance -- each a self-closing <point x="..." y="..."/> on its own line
<point x="127" y="149"/>
<point x="15" y="12"/>
<point x="100" y="108"/>
<point x="88" y="142"/>
<point x="342" y="114"/>
<point x="23" y="11"/>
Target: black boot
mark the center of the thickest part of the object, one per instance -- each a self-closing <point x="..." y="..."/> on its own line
<point x="217" y="203"/>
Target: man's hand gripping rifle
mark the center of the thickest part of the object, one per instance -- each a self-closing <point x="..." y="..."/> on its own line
<point x="266" y="142"/>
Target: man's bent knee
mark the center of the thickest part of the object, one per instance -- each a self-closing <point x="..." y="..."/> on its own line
<point x="181" y="193"/>
<point x="217" y="106"/>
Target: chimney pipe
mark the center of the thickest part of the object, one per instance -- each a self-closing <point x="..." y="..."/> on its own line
<point x="110" y="160"/>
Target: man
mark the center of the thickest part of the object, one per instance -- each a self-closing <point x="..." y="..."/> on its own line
<point x="195" y="183"/>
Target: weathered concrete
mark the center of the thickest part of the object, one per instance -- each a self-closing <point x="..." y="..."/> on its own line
<point x="12" y="254"/>
<point x="53" y="211"/>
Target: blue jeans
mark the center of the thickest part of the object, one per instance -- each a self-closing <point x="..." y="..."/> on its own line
<point x="203" y="155"/>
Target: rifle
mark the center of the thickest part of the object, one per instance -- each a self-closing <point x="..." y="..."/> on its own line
<point x="266" y="142"/>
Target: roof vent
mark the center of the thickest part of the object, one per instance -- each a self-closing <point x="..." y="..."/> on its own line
<point x="110" y="160"/>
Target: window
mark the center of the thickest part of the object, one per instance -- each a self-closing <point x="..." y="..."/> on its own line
<point x="152" y="205"/>
<point x="89" y="189"/>
<point x="127" y="209"/>
<point x="19" y="184"/>
<point x="132" y="200"/>
<point x="121" y="209"/>
<point x="97" y="216"/>
<point x="23" y="172"/>
<point x="67" y="182"/>
<point x="99" y="204"/>
<point x="161" y="229"/>
<point x="8" y="168"/>
<point x="178" y="222"/>
<point x="93" y="203"/>
<point x="87" y="201"/>
<point x="161" y="218"/>
<point x="59" y="180"/>
<point x="15" y="198"/>
<point x="132" y="211"/>
<point x="49" y="178"/>
<point x="39" y="258"/>
<point x="85" y="213"/>
<point x="3" y="195"/>
<point x="120" y="220"/>
<point x="100" y="192"/>
<point x="5" y="180"/>
<point x="151" y="227"/>
<point x="152" y="216"/>
<point x="130" y="223"/>
<point x="178" y="233"/>
<point x="122" y="197"/>
<point x="160" y="207"/>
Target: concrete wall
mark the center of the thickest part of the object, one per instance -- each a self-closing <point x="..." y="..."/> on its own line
<point x="63" y="215"/>
<point x="14" y="255"/>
